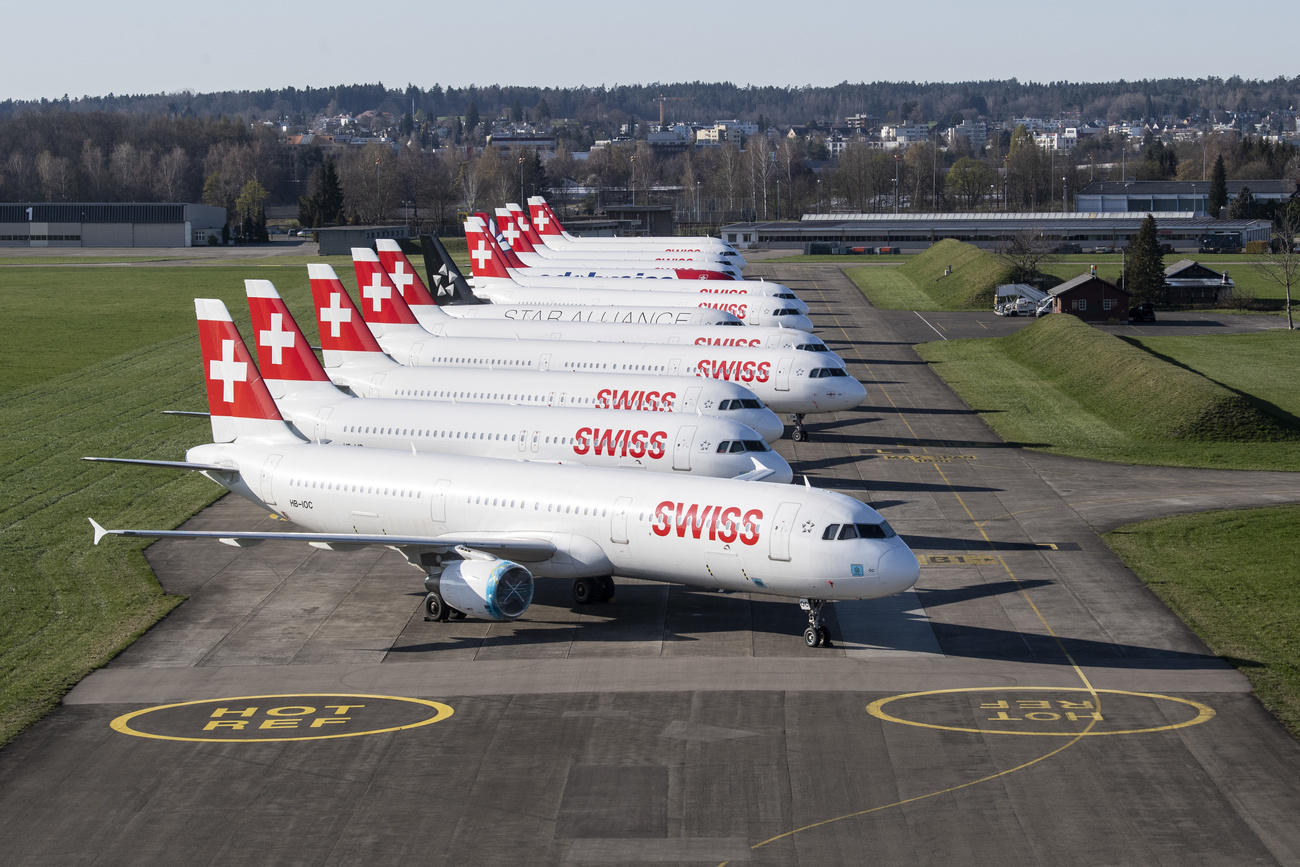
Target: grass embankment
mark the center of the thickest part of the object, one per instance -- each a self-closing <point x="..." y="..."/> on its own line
<point x="1066" y="387"/>
<point x="921" y="284"/>
<point x="1227" y="575"/>
<point x="90" y="357"/>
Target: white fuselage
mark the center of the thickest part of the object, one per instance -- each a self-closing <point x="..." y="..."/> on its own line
<point x="435" y="321"/>
<point x="621" y="314"/>
<point x="752" y="309"/>
<point x="652" y="441"/>
<point x="787" y="380"/>
<point x="696" y="531"/>
<point x="607" y="391"/>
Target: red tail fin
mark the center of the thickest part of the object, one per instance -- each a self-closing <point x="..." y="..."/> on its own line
<point x="239" y="403"/>
<point x="404" y="277"/>
<point x="381" y="303"/>
<point x="516" y="237"/>
<point x="282" y="351"/>
<point x="341" y="326"/>
<point x="485" y="256"/>
<point x="525" y="226"/>
<point x="544" y="220"/>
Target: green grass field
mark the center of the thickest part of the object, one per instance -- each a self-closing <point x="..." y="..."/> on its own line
<point x="920" y="282"/>
<point x="1065" y="387"/>
<point x="1231" y="577"/>
<point x="91" y="355"/>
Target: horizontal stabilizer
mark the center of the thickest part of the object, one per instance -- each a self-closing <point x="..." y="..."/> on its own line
<point x="757" y="474"/>
<point x="169" y="465"/>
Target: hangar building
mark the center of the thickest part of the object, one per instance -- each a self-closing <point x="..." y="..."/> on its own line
<point x="109" y="224"/>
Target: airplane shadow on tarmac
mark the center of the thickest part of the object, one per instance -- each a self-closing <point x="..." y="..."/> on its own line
<point x="645" y="613"/>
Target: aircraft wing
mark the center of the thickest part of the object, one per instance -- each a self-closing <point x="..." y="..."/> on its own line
<point x="170" y="465"/>
<point x="520" y="548"/>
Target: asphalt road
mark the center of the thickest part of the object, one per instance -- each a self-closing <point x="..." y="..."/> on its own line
<point x="1029" y="702"/>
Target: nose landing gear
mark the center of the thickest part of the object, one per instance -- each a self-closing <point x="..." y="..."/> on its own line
<point x="799" y="434"/>
<point x="816" y="635"/>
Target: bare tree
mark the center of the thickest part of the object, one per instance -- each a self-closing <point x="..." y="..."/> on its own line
<point x="1283" y="266"/>
<point x="169" y="176"/>
<point x="762" y="169"/>
<point x="56" y="176"/>
<point x="1023" y="252"/>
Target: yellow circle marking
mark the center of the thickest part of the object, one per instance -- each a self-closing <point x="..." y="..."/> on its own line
<point x="122" y="724"/>
<point x="1203" y="712"/>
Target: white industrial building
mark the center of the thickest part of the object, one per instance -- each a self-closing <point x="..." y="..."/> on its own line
<point x="125" y="224"/>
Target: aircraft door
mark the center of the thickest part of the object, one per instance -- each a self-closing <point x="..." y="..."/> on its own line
<point x="537" y="439"/>
<point x="544" y="363"/>
<point x="370" y="387"/>
<point x="692" y="398"/>
<point x="321" y="434"/>
<point x="417" y="352"/>
<point x="523" y="440"/>
<point x="265" y="484"/>
<point x="675" y="367"/>
<point x="682" y="447"/>
<point x="438" y="502"/>
<point x="783" y="372"/>
<point x="618" y="520"/>
<point x="779" y="546"/>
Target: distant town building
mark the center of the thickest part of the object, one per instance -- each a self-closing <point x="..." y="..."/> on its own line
<point x="1189" y="196"/>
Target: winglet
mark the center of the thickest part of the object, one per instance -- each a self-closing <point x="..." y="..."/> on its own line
<point x="100" y="532"/>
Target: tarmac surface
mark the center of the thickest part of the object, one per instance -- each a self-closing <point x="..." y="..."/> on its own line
<point x="1029" y="702"/>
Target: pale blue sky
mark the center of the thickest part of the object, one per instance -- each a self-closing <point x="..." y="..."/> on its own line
<point x="81" y="48"/>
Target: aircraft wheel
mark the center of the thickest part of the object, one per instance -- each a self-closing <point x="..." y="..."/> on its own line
<point x="798" y="434"/>
<point x="812" y="637"/>
<point x="435" y="608"/>
<point x="584" y="590"/>
<point x="457" y="614"/>
<point x="606" y="592"/>
<point x="825" y="636"/>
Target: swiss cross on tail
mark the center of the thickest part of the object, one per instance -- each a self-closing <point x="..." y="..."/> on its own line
<point x="484" y="255"/>
<point x="282" y="352"/>
<point x="403" y="275"/>
<point x="235" y="389"/>
<point x="382" y="302"/>
<point x="341" y="328"/>
<point x="542" y="221"/>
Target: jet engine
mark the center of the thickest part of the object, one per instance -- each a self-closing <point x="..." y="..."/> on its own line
<point x="483" y="586"/>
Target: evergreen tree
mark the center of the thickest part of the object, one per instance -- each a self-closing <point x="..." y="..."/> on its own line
<point x="1144" y="268"/>
<point x="329" y="195"/>
<point x="471" y="118"/>
<point x="1242" y="206"/>
<point x="1218" y="187"/>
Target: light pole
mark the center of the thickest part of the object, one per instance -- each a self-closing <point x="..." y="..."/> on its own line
<point x="778" y="200"/>
<point x="895" y="182"/>
<point x="632" y="160"/>
<point x="819" y="195"/>
<point x="1065" y="195"/>
<point x="698" y="217"/>
<point x="378" y="162"/>
<point x="521" y="180"/>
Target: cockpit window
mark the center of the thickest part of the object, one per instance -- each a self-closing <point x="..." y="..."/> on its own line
<point x="789" y="296"/>
<point x="728" y="323"/>
<point x="750" y="403"/>
<point x="785" y="311"/>
<point x="812" y="347"/>
<point x="755" y="446"/>
<point x="859" y="531"/>
<point x="820" y="372"/>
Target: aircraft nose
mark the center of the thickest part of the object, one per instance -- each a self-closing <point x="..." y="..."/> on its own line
<point x="803" y="323"/>
<point x="898" y="568"/>
<point x="766" y="424"/>
<point x="782" y="474"/>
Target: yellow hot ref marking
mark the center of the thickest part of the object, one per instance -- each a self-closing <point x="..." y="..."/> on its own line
<point x="296" y="717"/>
<point x="1010" y="711"/>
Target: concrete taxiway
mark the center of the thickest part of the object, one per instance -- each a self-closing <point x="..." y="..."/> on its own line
<point x="1028" y="702"/>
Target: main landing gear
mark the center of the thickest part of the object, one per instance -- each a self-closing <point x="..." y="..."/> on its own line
<point x="816" y="635"/>
<point x="435" y="607"/>
<point x="588" y="590"/>
<point x="799" y="434"/>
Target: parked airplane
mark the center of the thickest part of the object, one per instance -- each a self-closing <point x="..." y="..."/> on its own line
<point x="372" y="274"/>
<point x="787" y="380"/>
<point x="495" y="281"/>
<point x="459" y="518"/>
<point x="513" y="228"/>
<point x="548" y="226"/>
<point x="354" y="360"/>
<point x="418" y="296"/>
<point x="659" y="442"/>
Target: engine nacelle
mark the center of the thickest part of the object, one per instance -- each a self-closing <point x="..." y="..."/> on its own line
<point x="491" y="588"/>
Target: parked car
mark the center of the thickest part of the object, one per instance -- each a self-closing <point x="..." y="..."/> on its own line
<point x="1144" y="312"/>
